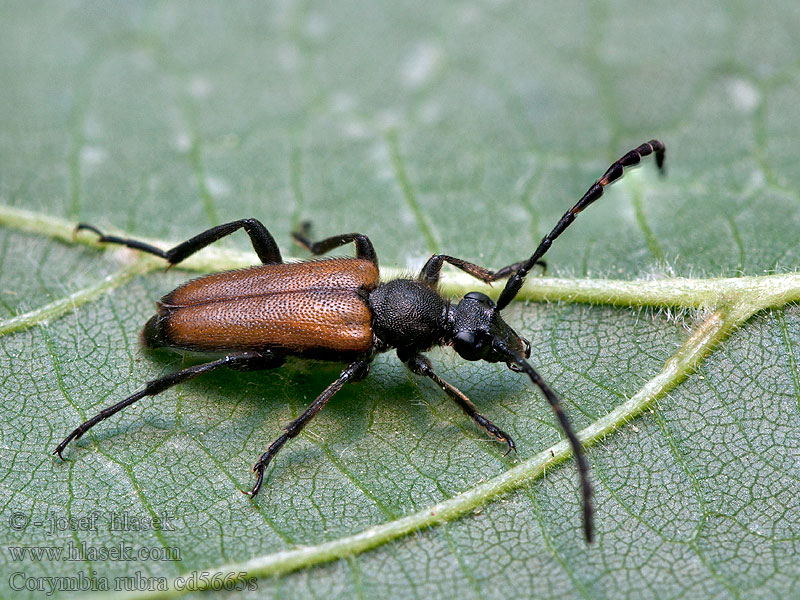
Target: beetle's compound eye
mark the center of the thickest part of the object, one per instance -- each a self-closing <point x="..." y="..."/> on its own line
<point x="469" y="346"/>
<point x="464" y="338"/>
<point x="480" y="297"/>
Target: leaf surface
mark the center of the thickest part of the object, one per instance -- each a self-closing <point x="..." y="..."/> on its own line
<point x="466" y="129"/>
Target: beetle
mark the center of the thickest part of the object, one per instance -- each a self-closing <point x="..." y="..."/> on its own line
<point x="337" y="309"/>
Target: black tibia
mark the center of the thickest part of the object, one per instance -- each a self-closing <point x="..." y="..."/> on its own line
<point x="263" y="242"/>
<point x="574" y="442"/>
<point x="613" y="173"/>
<point x="432" y="269"/>
<point x="509" y="270"/>
<point x="355" y="371"/>
<point x="243" y="361"/>
<point x="420" y="365"/>
<point x="364" y="248"/>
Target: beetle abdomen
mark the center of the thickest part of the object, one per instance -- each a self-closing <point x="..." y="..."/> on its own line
<point x="312" y="308"/>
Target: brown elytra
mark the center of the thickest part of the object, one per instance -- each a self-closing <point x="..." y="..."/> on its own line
<point x="315" y="308"/>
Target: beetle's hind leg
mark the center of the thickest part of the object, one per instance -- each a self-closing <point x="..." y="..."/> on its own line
<point x="364" y="248"/>
<point x="355" y="371"/>
<point x="420" y="365"/>
<point x="246" y="361"/>
<point x="263" y="242"/>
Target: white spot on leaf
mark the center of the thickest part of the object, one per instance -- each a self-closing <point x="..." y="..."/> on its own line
<point x="355" y="129"/>
<point x="91" y="156"/>
<point x="183" y="142"/>
<point x="316" y="26"/>
<point x="421" y="64"/>
<point x="200" y="87"/>
<point x="379" y="156"/>
<point x="217" y="186"/>
<point x="744" y="95"/>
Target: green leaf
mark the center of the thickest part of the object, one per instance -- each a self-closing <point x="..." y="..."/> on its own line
<point x="666" y="321"/>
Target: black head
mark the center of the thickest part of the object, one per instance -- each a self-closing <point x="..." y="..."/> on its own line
<point x="479" y="332"/>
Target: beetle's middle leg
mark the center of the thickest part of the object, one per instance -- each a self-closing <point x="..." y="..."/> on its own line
<point x="364" y="248"/>
<point x="355" y="371"/>
<point x="420" y="365"/>
<point x="263" y="242"/>
<point x="242" y="361"/>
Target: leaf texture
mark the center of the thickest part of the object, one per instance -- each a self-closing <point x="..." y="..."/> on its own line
<point x="666" y="320"/>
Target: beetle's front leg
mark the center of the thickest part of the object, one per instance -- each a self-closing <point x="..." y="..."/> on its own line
<point x="432" y="269"/>
<point x="420" y="365"/>
<point x="364" y="247"/>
